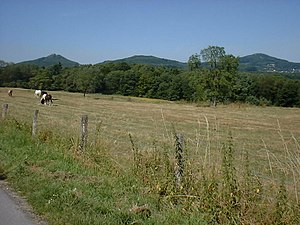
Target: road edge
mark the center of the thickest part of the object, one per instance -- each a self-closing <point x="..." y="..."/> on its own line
<point x="22" y="203"/>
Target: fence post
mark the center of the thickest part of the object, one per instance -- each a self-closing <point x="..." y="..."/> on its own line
<point x="179" y="167"/>
<point x="83" y="132"/>
<point x="34" y="123"/>
<point x="4" y="112"/>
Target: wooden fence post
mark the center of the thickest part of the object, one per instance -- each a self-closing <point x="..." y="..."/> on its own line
<point x="34" y="123"/>
<point x="83" y="132"/>
<point x="179" y="167"/>
<point x="4" y="112"/>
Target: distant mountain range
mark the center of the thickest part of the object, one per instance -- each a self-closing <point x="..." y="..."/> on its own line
<point x="252" y="63"/>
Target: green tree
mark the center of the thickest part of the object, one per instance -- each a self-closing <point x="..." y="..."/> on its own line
<point x="229" y="75"/>
<point x="218" y="81"/>
<point x="194" y="62"/>
<point x="18" y="75"/>
<point x="128" y="83"/>
<point x="112" y="82"/>
<point x="269" y="86"/>
<point x="212" y="55"/>
<point x="84" y="81"/>
<point x="288" y="95"/>
<point x="244" y="87"/>
<point x="43" y="80"/>
<point x="146" y="83"/>
<point x="169" y="86"/>
<point x="55" y="69"/>
<point x="68" y="79"/>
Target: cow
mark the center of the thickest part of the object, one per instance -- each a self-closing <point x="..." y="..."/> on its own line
<point x="39" y="93"/>
<point x="10" y="93"/>
<point x="46" y="99"/>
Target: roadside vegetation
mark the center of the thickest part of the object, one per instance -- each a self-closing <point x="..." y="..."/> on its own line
<point x="240" y="163"/>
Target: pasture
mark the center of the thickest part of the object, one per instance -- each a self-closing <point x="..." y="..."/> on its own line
<point x="133" y="138"/>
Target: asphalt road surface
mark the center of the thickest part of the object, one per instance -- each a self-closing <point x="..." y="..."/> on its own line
<point x="14" y="210"/>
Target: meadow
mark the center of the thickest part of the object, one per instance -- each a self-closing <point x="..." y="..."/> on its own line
<point x="241" y="163"/>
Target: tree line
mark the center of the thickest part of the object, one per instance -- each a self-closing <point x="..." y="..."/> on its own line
<point x="212" y="76"/>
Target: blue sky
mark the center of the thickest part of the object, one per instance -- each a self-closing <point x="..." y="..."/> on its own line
<point x="92" y="31"/>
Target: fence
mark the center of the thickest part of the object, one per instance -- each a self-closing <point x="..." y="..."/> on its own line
<point x="83" y="126"/>
<point x="83" y="141"/>
<point x="5" y="109"/>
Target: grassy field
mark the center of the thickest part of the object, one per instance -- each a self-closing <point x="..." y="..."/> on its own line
<point x="241" y="163"/>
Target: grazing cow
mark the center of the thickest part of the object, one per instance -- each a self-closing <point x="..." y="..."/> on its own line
<point x="46" y="99"/>
<point x="39" y="93"/>
<point x="9" y="93"/>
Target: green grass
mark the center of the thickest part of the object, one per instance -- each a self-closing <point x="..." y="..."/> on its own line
<point x="65" y="186"/>
<point x="71" y="187"/>
<point x="241" y="163"/>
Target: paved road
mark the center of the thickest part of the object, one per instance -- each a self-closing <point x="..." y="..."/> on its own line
<point x="14" y="210"/>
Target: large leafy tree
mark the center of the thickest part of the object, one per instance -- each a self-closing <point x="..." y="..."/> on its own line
<point x="220" y="78"/>
<point x="229" y="75"/>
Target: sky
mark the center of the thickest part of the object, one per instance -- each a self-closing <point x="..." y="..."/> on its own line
<point x="92" y="31"/>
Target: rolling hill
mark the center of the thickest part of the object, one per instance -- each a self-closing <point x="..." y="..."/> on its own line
<point x="51" y="60"/>
<point x="150" y="60"/>
<point x="252" y="63"/>
<point x="264" y="63"/>
<point x="257" y="62"/>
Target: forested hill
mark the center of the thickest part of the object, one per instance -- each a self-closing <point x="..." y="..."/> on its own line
<point x="150" y="60"/>
<point x="252" y="63"/>
<point x="51" y="60"/>
<point x="264" y="63"/>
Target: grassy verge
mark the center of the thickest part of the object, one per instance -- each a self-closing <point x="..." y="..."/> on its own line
<point x="68" y="186"/>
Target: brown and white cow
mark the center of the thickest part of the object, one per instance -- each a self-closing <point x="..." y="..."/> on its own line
<point x="46" y="99"/>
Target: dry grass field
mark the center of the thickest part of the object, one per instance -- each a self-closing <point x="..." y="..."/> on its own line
<point x="256" y="129"/>
<point x="269" y="135"/>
